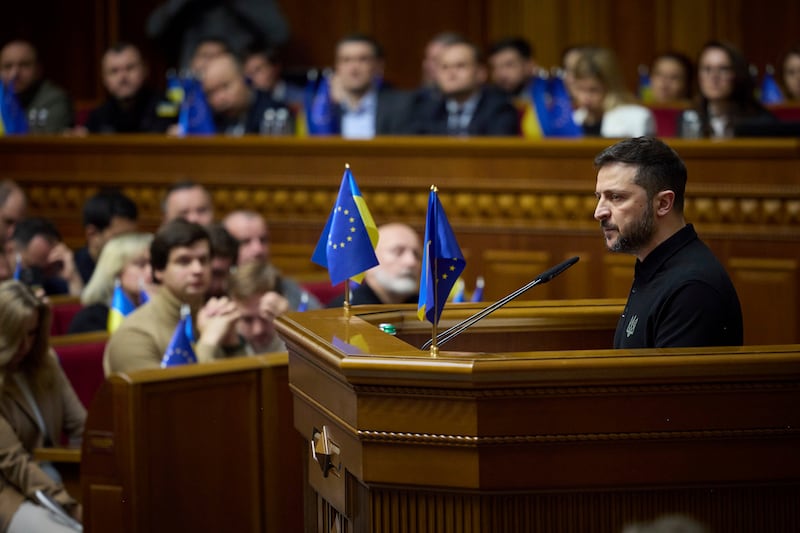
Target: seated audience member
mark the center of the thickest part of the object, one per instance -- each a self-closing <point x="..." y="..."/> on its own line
<point x="681" y="294"/>
<point x="396" y="278"/>
<point x="252" y="232"/>
<point x="180" y="257"/>
<point x="605" y="107"/>
<point x="224" y="254"/>
<point x="791" y="75"/>
<point x="207" y="49"/>
<point x="125" y="259"/>
<point x="671" y="79"/>
<point x="47" y="106"/>
<point x="190" y="201"/>
<point x="254" y="288"/>
<point x="263" y="68"/>
<point x="430" y="59"/>
<point x="32" y="384"/>
<point x="366" y="107"/>
<point x="466" y="106"/>
<point x="237" y="108"/>
<point x="131" y="105"/>
<point x="44" y="259"/>
<point x="105" y="215"/>
<point x="569" y="58"/>
<point x="726" y="96"/>
<point x="6" y="270"/>
<point x="12" y="209"/>
<point x="512" y="66"/>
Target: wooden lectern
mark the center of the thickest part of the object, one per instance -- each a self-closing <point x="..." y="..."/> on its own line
<point x="194" y="448"/>
<point x="506" y="431"/>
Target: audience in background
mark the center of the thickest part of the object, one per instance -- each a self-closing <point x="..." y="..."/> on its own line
<point x="671" y="78"/>
<point x="12" y="209"/>
<point x="466" y="106"/>
<point x="237" y="108"/>
<point x="430" y="59"/>
<point x="188" y="200"/>
<point x="604" y="106"/>
<point x="569" y="58"/>
<point x="254" y="287"/>
<point x="125" y="259"/>
<point x="791" y="74"/>
<point x="180" y="257"/>
<point x="512" y="66"/>
<point x="263" y="69"/>
<point x="366" y="107"/>
<point x="252" y="232"/>
<point x="45" y="261"/>
<point x="224" y="255"/>
<point x="726" y="96"/>
<point x="32" y="382"/>
<point x="105" y="215"/>
<point x="396" y="278"/>
<point x="47" y="106"/>
<point x="131" y="106"/>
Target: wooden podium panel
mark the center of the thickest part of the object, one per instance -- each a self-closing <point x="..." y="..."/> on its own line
<point x="194" y="448"/>
<point x="538" y="440"/>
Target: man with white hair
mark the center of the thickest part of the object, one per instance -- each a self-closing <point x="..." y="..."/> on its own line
<point x="396" y="278"/>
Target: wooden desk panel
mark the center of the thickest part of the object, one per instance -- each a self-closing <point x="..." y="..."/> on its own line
<point x="517" y="206"/>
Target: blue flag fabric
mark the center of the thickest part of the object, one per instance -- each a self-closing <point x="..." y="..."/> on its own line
<point x="121" y="306"/>
<point x="770" y="91"/>
<point x="18" y="269"/>
<point x="539" y="93"/>
<point x="195" y="116"/>
<point x="14" y="121"/>
<point x="561" y="123"/>
<point x="180" y="351"/>
<point x="347" y="244"/>
<point x="322" y="115"/>
<point x="442" y="262"/>
<point x="477" y="296"/>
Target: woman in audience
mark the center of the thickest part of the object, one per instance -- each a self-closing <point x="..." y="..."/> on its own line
<point x="671" y="79"/>
<point x="791" y="74"/>
<point x="726" y="94"/>
<point x="124" y="259"/>
<point x="37" y="406"/>
<point x="604" y="106"/>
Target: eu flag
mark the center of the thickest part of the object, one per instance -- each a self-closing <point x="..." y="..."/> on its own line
<point x="323" y="115"/>
<point x="347" y="244"/>
<point x="560" y="123"/>
<point x="12" y="116"/>
<point x="442" y="262"/>
<point x="180" y="351"/>
<point x="121" y="306"/>
<point x="770" y="92"/>
<point x="195" y="117"/>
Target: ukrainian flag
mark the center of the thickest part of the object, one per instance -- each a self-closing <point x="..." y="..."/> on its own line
<point x="121" y="306"/>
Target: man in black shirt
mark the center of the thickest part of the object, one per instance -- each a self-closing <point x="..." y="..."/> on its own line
<point x="681" y="294"/>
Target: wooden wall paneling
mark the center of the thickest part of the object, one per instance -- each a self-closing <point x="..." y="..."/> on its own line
<point x="508" y="270"/>
<point x="762" y="284"/>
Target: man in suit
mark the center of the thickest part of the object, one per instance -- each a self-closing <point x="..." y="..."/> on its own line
<point x="465" y="105"/>
<point x="366" y="106"/>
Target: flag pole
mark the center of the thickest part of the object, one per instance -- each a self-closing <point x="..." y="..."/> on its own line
<point x="346" y="304"/>
<point x="434" y="344"/>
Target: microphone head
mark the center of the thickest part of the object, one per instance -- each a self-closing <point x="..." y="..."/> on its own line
<point x="558" y="269"/>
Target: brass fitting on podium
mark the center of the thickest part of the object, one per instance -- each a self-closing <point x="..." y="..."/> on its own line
<point x="326" y="452"/>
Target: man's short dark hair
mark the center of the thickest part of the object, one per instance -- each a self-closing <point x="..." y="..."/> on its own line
<point x="223" y="244"/>
<point x="182" y="185"/>
<point x="377" y="49"/>
<point x="518" y="44"/>
<point x="26" y="229"/>
<point x="476" y="50"/>
<point x="174" y="234"/>
<point x="269" y="54"/>
<point x="659" y="167"/>
<point x="101" y="208"/>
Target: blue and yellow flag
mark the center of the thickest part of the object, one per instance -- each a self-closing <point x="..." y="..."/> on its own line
<point x="121" y="306"/>
<point x="347" y="244"/>
<point x="322" y="115"/>
<point x="477" y="296"/>
<point x="195" y="116"/>
<point x="442" y="262"/>
<point x="180" y="351"/>
<point x="560" y="122"/>
<point x="12" y="117"/>
<point x="645" y="88"/>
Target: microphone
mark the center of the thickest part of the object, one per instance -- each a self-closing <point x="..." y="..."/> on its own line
<point x="544" y="277"/>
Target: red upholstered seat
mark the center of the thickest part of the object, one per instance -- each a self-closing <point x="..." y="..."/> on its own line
<point x="81" y="357"/>
<point x="786" y="112"/>
<point x="323" y="290"/>
<point x="64" y="308"/>
<point x="667" y="120"/>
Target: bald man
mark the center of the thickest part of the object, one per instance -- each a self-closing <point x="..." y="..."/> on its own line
<point x="252" y="232"/>
<point x="396" y="278"/>
<point x="237" y="108"/>
<point x="47" y="106"/>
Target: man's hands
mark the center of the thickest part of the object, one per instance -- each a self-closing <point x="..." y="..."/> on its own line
<point x="216" y="322"/>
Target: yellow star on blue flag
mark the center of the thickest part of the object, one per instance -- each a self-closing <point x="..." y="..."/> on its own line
<point x="347" y="244"/>
<point x="442" y="262"/>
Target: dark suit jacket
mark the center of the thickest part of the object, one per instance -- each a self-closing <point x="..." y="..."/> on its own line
<point x="495" y="115"/>
<point x="252" y="123"/>
<point x="140" y="117"/>
<point x="392" y="114"/>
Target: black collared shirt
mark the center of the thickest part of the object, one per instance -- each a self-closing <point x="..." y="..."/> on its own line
<point x="681" y="296"/>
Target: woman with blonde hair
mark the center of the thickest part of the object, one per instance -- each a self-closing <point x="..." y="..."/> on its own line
<point x="604" y="106"/>
<point x="125" y="259"/>
<point x="37" y="406"/>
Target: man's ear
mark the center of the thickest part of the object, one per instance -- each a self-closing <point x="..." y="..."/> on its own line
<point x="158" y="275"/>
<point x="664" y="202"/>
